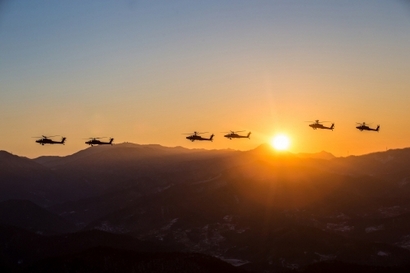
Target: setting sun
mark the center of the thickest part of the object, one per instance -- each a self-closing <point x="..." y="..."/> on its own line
<point x="280" y="142"/>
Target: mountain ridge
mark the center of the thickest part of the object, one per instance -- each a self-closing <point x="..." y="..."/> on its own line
<point x="262" y="209"/>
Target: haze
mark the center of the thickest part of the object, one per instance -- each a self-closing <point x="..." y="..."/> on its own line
<point x="147" y="72"/>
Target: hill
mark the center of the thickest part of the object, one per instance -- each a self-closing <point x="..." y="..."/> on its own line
<point x="25" y="214"/>
<point x="259" y="209"/>
<point x="22" y="178"/>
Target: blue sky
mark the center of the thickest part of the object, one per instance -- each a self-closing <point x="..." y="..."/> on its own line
<point x="149" y="71"/>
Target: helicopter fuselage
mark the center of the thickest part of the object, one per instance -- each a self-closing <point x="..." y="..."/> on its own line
<point x="367" y="128"/>
<point x="196" y="137"/>
<point x="321" y="126"/>
<point x="95" y="141"/>
<point x="234" y="135"/>
<point x="46" y="140"/>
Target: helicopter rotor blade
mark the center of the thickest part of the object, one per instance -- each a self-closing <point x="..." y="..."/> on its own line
<point x="94" y="137"/>
<point x="43" y="136"/>
<point x="195" y="133"/>
<point x="234" y="132"/>
<point x="318" y="121"/>
<point x="364" y="123"/>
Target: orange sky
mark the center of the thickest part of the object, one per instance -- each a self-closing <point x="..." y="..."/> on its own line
<point x="148" y="72"/>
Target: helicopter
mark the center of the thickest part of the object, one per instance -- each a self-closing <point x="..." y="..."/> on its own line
<point x="318" y="125"/>
<point x="196" y="136"/>
<point x="96" y="141"/>
<point x="46" y="140"/>
<point x="233" y="134"/>
<point x="363" y="126"/>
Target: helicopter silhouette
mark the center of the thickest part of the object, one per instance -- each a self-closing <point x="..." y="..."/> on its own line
<point x="46" y="140"/>
<point x="318" y="125"/>
<point x="233" y="134"/>
<point x="363" y="126"/>
<point x="95" y="141"/>
<point x="196" y="136"/>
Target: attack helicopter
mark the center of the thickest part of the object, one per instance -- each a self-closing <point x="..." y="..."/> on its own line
<point x="46" y="140"/>
<point x="233" y="134"/>
<point x="96" y="141"/>
<point x="196" y="136"/>
<point x="363" y="126"/>
<point x="318" y="125"/>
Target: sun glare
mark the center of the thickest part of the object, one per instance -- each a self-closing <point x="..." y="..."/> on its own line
<point x="280" y="142"/>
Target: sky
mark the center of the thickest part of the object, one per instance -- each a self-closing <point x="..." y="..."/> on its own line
<point x="148" y="72"/>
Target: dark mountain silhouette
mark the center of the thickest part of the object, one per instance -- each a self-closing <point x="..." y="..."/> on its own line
<point x="340" y="267"/>
<point x="320" y="155"/>
<point x="47" y="160"/>
<point x="237" y="213"/>
<point x="25" y="214"/>
<point x="103" y="259"/>
<point x="95" y="251"/>
<point x="124" y="153"/>
<point x="127" y="163"/>
<point x="259" y="210"/>
<point x="122" y="173"/>
<point x="20" y="248"/>
<point x="22" y="178"/>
